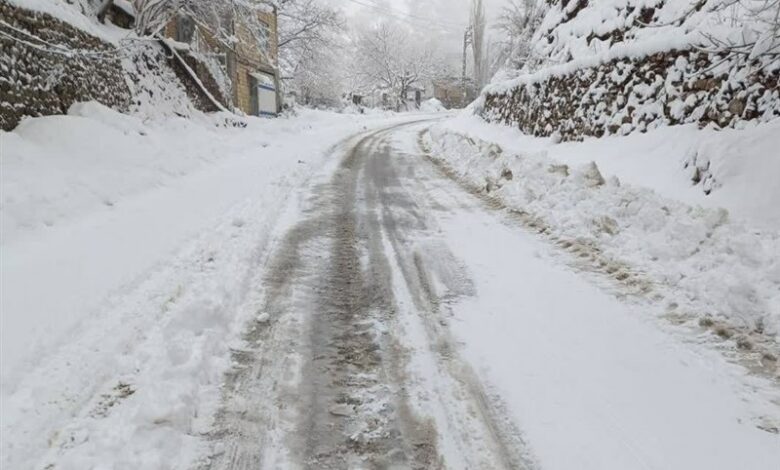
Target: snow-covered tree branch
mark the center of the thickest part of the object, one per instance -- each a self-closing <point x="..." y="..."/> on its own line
<point x="517" y="23"/>
<point x="387" y="60"/>
<point x="309" y="34"/>
<point x="216" y="16"/>
<point x="755" y="27"/>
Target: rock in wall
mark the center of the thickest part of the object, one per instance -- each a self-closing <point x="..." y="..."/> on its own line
<point x="46" y="65"/>
<point x="639" y="93"/>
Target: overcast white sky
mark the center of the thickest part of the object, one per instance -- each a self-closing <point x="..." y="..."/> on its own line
<point x="442" y="21"/>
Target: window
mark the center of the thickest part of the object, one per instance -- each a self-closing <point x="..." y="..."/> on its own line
<point x="264" y="34"/>
<point x="185" y="29"/>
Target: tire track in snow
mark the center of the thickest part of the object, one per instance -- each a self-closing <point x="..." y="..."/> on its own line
<point x="323" y="380"/>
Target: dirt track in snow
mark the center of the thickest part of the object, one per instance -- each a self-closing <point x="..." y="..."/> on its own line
<point x="323" y="381"/>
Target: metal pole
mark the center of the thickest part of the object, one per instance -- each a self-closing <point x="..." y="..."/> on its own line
<point x="466" y="43"/>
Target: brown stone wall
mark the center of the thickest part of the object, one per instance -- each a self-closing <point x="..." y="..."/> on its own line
<point x="627" y="95"/>
<point x="249" y="50"/>
<point x="249" y="58"/>
<point x="50" y="65"/>
<point x="243" y="86"/>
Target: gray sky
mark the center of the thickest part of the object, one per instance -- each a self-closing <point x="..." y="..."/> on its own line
<point x="440" y="21"/>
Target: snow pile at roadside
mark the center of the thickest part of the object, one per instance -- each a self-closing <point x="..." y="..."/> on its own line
<point x="130" y="250"/>
<point x="738" y="168"/>
<point x="704" y="262"/>
<point x="432" y="106"/>
<point x="56" y="168"/>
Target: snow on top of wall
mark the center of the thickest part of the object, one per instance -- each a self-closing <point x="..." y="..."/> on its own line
<point x="573" y="36"/>
<point x="568" y="34"/>
<point x="77" y="13"/>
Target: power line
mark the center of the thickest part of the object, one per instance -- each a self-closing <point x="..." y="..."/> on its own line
<point x="408" y="18"/>
<point x="409" y="15"/>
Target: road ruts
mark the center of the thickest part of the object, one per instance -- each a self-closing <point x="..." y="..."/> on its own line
<point x="323" y="382"/>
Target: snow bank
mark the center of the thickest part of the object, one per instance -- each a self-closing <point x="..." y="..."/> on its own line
<point x="742" y="163"/>
<point x="703" y="261"/>
<point x="432" y="106"/>
<point x="591" y="382"/>
<point x="56" y="168"/>
<point x="129" y="248"/>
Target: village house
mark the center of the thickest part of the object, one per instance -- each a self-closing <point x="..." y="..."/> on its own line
<point x="235" y="59"/>
<point x="452" y="93"/>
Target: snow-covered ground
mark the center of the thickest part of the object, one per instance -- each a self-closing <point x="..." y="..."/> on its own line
<point x="126" y="248"/>
<point x="630" y="201"/>
<point x="134" y="257"/>
<point x="592" y="379"/>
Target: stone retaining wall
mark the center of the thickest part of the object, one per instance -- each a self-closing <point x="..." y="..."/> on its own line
<point x="637" y="94"/>
<point x="46" y="65"/>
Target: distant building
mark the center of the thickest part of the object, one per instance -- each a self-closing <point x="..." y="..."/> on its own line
<point x="414" y="97"/>
<point x="452" y="93"/>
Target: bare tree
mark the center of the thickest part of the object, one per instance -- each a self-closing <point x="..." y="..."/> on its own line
<point x="306" y="23"/>
<point x="518" y="21"/>
<point x="386" y="60"/>
<point x="309" y="34"/>
<point x="152" y="15"/>
<point x="319" y="80"/>
<point x="759" y="24"/>
<point x="478" y="24"/>
<point x="218" y="17"/>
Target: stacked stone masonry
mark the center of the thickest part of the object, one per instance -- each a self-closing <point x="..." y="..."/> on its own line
<point x="47" y="65"/>
<point x="637" y="94"/>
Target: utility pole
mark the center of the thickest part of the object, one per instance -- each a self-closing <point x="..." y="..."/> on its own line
<point x="468" y="37"/>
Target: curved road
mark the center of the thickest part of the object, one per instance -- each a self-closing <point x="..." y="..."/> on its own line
<point x="351" y="363"/>
<point x="342" y="291"/>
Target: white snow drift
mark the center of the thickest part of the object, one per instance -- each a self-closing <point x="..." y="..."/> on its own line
<point x="722" y="259"/>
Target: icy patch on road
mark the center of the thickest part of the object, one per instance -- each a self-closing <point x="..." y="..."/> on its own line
<point x="702" y="263"/>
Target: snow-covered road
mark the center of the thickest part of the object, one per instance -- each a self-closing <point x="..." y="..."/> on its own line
<point x="372" y="312"/>
<point x="406" y="323"/>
